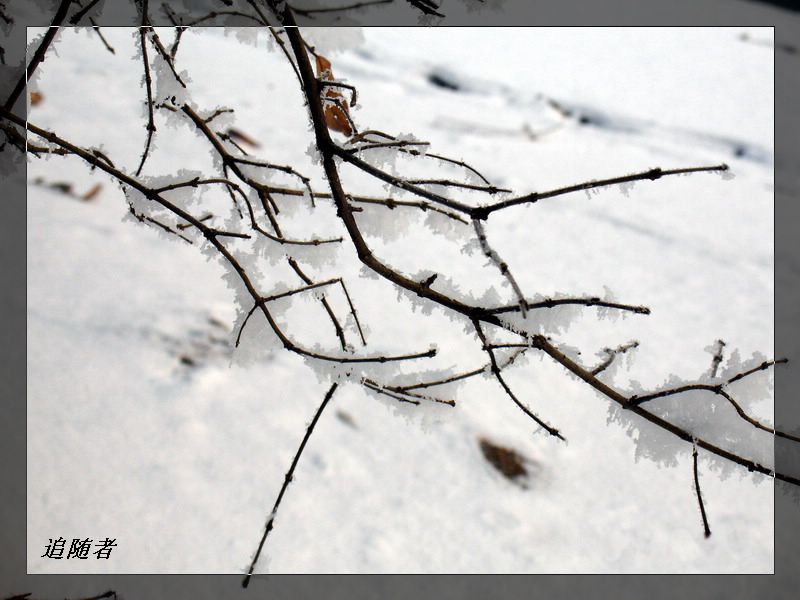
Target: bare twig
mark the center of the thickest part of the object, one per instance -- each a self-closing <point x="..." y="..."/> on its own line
<point x="426" y="6"/>
<point x="651" y="174"/>
<point x="310" y="12"/>
<point x="166" y="55"/>
<point x="286" y="481"/>
<point x="100" y="35"/>
<point x="706" y="529"/>
<point x="39" y="55"/>
<point x="552" y="302"/>
<point x="75" y="19"/>
<point x="501" y="265"/>
<point x="325" y="304"/>
<point x="612" y="354"/>
<point x="719" y="389"/>
<point x="495" y="370"/>
<point x="720" y="345"/>
<point x="151" y="126"/>
<point x="394" y="391"/>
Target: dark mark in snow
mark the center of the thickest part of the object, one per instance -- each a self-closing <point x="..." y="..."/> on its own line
<point x="216" y="323"/>
<point x="443" y="81"/>
<point x="197" y="347"/>
<point x="507" y="461"/>
<point x="346" y="419"/>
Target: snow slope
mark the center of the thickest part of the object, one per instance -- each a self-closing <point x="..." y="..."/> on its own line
<point x="143" y="428"/>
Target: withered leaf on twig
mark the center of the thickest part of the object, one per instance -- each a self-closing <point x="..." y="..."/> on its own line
<point x="337" y="115"/>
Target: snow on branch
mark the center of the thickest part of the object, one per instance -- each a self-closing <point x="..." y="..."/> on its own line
<point x="252" y="243"/>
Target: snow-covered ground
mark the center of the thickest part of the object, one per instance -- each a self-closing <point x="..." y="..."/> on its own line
<point x="143" y="427"/>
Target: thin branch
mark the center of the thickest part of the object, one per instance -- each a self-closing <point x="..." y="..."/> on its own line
<point x="543" y="344"/>
<point x="75" y="19"/>
<point x="489" y="189"/>
<point x="172" y="16"/>
<point x="18" y="141"/>
<point x="501" y="265"/>
<point x="217" y="112"/>
<point x="300" y="290"/>
<point x="652" y="174"/>
<point x="466" y="375"/>
<point x="552" y="302"/>
<point x="325" y="304"/>
<point x="354" y="313"/>
<point x="323" y="83"/>
<point x="196" y="181"/>
<point x="706" y="529"/>
<point x="145" y="218"/>
<point x="496" y="371"/>
<point x="261" y="15"/>
<point x="401" y="394"/>
<point x="310" y="12"/>
<point x="764" y="365"/>
<point x="211" y="235"/>
<point x="346" y="155"/>
<point x="282" y="45"/>
<point x="233" y="162"/>
<point x="100" y="35"/>
<point x="151" y="126"/>
<point x="230" y="137"/>
<point x="342" y="110"/>
<point x="414" y="152"/>
<point x="394" y="396"/>
<point x="222" y="13"/>
<point x="381" y="145"/>
<point x="426" y="6"/>
<point x="459" y="163"/>
<point x="719" y="390"/>
<point x="244" y="322"/>
<point x="282" y="168"/>
<point x="611" y="355"/>
<point x="389" y="202"/>
<point x="39" y="54"/>
<point x="173" y="50"/>
<point x="166" y="55"/>
<point x="717" y="359"/>
<point x="286" y="481"/>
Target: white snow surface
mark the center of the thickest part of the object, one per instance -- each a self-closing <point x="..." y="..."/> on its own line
<point x="181" y="463"/>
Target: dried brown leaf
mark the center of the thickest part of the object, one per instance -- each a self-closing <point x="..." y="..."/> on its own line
<point x="92" y="192"/>
<point x="336" y="113"/>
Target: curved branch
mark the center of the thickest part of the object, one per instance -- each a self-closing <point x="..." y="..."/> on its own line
<point x="495" y="370"/>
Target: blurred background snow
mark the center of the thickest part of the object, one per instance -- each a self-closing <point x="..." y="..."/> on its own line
<point x="143" y="427"/>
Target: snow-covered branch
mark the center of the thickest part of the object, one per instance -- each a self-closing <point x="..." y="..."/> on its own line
<point x="268" y="267"/>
